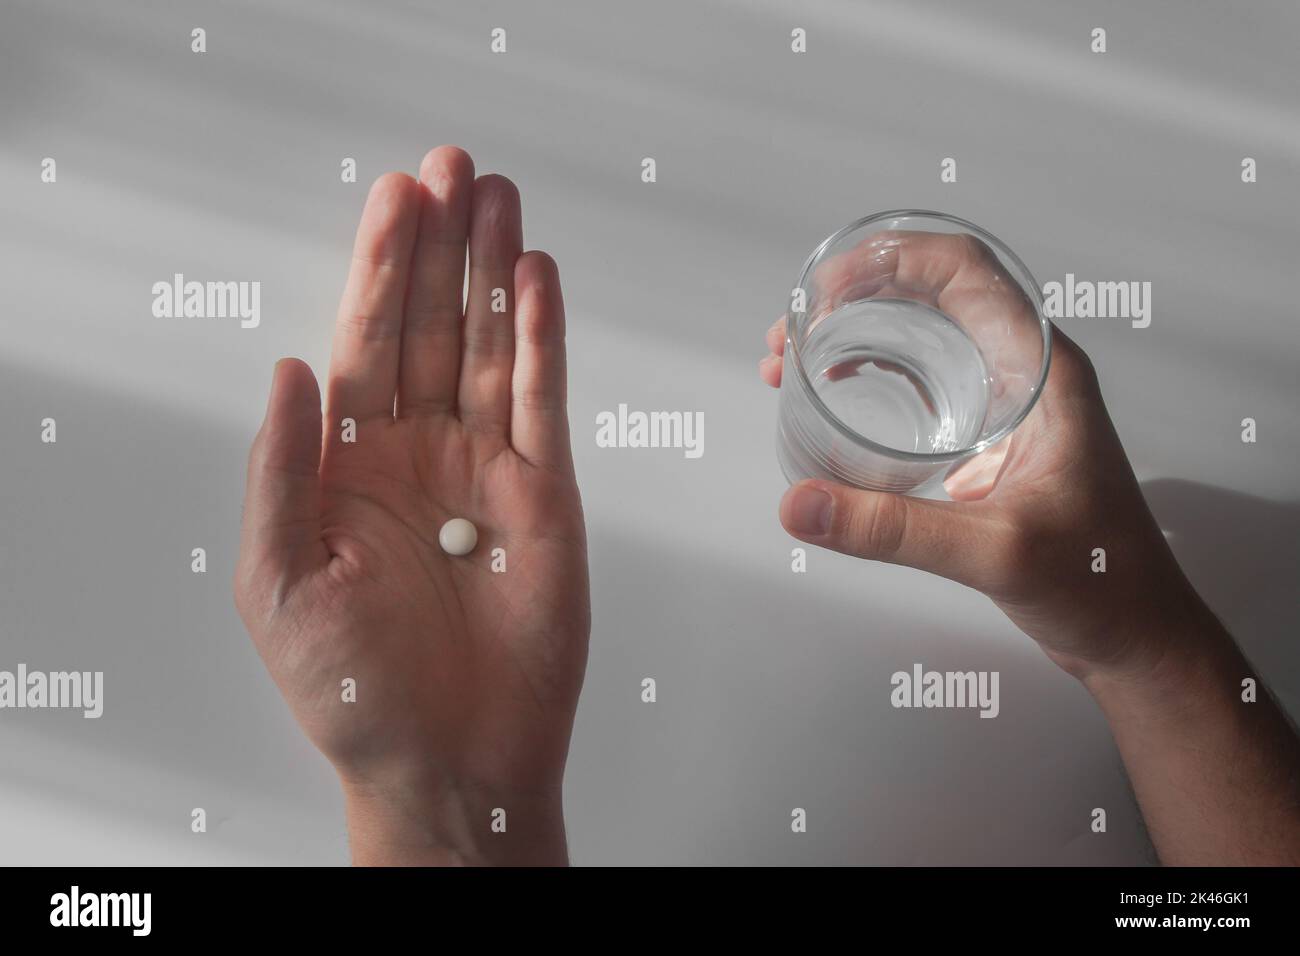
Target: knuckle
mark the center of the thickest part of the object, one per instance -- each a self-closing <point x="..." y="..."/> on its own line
<point x="433" y="317"/>
<point x="257" y="451"/>
<point x="1020" y="554"/>
<point x="1075" y="366"/>
<point x="974" y="249"/>
<point x="537" y="401"/>
<point x="878" y="525"/>
<point x="366" y="326"/>
<point x="487" y="342"/>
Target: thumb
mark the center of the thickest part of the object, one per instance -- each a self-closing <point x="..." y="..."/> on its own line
<point x="941" y="537"/>
<point x="281" y="537"/>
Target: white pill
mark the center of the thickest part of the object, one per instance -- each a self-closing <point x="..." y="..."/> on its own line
<point x="458" y="536"/>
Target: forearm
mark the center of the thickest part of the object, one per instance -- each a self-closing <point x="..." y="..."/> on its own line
<point x="405" y="825"/>
<point x="1217" y="777"/>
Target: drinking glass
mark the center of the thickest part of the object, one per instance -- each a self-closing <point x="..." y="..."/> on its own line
<point x="914" y="341"/>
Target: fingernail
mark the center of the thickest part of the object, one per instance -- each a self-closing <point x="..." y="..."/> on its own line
<point x="810" y="511"/>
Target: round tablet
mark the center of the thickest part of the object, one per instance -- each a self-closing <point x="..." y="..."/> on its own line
<point x="458" y="536"/>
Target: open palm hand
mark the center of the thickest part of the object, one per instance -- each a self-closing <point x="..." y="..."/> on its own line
<point x="442" y="688"/>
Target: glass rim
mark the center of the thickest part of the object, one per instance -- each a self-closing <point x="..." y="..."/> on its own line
<point x="1045" y="326"/>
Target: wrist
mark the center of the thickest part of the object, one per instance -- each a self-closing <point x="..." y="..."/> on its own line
<point x="1175" y="650"/>
<point x="406" y="823"/>
<point x="1126" y="631"/>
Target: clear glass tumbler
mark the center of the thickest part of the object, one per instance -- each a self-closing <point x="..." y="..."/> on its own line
<point x="914" y="341"/>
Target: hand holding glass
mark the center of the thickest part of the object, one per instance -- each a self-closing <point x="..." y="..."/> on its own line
<point x="914" y="341"/>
